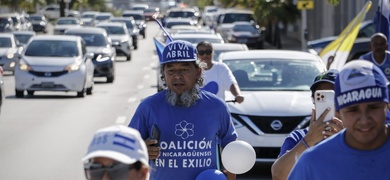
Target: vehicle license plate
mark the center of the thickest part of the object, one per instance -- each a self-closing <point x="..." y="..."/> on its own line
<point x="47" y="84"/>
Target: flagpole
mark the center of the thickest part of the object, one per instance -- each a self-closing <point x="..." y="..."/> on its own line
<point x="165" y="31"/>
<point x="349" y="30"/>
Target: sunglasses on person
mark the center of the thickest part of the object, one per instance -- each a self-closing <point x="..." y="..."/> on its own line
<point x="329" y="75"/>
<point x="96" y="171"/>
<point x="202" y="52"/>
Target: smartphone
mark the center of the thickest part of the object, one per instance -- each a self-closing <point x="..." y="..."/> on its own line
<point x="155" y="133"/>
<point x="324" y="99"/>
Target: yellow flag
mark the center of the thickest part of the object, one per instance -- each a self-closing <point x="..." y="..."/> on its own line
<point x="341" y="46"/>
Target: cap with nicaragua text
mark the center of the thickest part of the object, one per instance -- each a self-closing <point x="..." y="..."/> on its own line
<point x="360" y="81"/>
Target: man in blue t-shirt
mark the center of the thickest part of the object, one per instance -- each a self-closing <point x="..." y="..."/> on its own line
<point x="361" y="150"/>
<point x="300" y="140"/>
<point x="183" y="126"/>
<point x="379" y="56"/>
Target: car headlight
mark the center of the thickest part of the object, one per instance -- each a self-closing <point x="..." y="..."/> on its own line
<point x="73" y="67"/>
<point x="10" y="55"/>
<point x="124" y="42"/>
<point x="23" y="66"/>
<point x="102" y="57"/>
<point x="305" y="122"/>
<point x="232" y="38"/>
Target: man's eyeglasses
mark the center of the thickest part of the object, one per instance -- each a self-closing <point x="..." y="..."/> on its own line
<point x="202" y="52"/>
<point x="96" y="171"/>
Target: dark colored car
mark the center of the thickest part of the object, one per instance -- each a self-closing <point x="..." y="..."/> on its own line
<point x="98" y="43"/>
<point x="139" y="20"/>
<point x="6" y="24"/>
<point x="367" y="29"/>
<point x="246" y="33"/>
<point x="150" y="12"/>
<point x="39" y="23"/>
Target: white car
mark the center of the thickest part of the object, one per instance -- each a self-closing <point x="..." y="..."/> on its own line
<point x="65" y="23"/>
<point x="196" y="38"/>
<point x="121" y="39"/>
<point x="54" y="63"/>
<point x="276" y="88"/>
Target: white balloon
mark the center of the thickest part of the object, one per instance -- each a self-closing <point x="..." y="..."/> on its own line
<point x="238" y="157"/>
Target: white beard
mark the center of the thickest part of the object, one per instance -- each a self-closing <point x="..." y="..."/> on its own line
<point x="186" y="99"/>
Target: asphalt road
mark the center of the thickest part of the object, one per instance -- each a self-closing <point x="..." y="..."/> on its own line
<point x="44" y="137"/>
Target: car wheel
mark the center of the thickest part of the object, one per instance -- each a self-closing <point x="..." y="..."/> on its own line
<point x="19" y="93"/>
<point x="110" y="79"/>
<point x="128" y="57"/>
<point x="89" y="90"/>
<point x="81" y="93"/>
<point x="30" y="93"/>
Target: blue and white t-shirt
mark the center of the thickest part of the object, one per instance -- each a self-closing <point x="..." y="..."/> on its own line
<point x="218" y="79"/>
<point x="384" y="66"/>
<point x="189" y="136"/>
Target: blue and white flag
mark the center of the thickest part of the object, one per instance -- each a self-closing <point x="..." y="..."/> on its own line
<point x="159" y="45"/>
<point x="382" y="17"/>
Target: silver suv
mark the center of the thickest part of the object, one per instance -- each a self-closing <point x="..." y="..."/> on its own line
<point x="120" y="37"/>
<point x="98" y="43"/>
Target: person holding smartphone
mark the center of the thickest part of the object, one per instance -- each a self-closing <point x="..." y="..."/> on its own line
<point x="116" y="152"/>
<point x="361" y="150"/>
<point x="302" y="139"/>
<point x="218" y="78"/>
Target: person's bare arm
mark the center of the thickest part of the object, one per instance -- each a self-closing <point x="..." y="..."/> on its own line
<point x="283" y="165"/>
<point x="235" y="90"/>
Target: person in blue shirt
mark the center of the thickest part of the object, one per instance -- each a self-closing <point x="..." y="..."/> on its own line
<point x="379" y="54"/>
<point x="301" y="139"/>
<point x="361" y="150"/>
<point x="183" y="125"/>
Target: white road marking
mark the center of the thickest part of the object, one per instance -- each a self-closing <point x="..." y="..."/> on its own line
<point x="147" y="76"/>
<point x="140" y="86"/>
<point x="121" y="120"/>
<point x="132" y="100"/>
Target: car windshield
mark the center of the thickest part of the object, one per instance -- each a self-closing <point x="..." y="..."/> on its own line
<point x="92" y="39"/>
<point x="5" y="42"/>
<point x="3" y="21"/>
<point x="244" y="28"/>
<point x="52" y="48"/>
<point x="135" y="16"/>
<point x="129" y="25"/>
<point x="171" y="24"/>
<point x="36" y="18"/>
<point x="88" y="16"/>
<point x="234" y="17"/>
<point x="66" y="21"/>
<point x="197" y="40"/>
<point x="113" y="29"/>
<point x="274" y="74"/>
<point x="23" y="38"/>
<point x="220" y="51"/>
<point x="103" y="17"/>
<point x="181" y="14"/>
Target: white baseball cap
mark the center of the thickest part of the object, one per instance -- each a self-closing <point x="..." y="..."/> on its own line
<point x="118" y="142"/>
